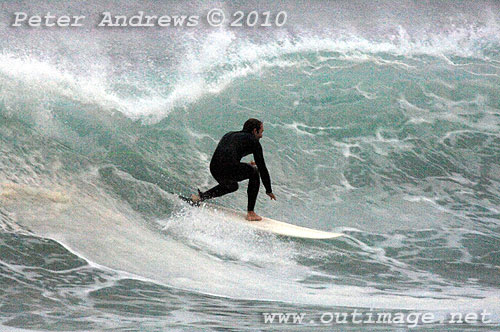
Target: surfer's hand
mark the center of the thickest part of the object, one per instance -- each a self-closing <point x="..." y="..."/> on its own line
<point x="271" y="195"/>
<point x="253" y="163"/>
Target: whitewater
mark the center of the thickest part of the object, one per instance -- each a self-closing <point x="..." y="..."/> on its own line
<point x="382" y="122"/>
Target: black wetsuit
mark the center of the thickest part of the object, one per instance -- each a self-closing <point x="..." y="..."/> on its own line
<point x="227" y="169"/>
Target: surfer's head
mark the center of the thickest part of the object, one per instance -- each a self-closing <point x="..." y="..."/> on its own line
<point x="255" y="127"/>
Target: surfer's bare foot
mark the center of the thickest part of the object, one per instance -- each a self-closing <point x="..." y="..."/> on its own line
<point x="195" y="198"/>
<point x="252" y="216"/>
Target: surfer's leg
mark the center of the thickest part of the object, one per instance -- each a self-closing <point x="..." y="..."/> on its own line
<point x="253" y="188"/>
<point x="228" y="183"/>
<point x="223" y="188"/>
<point x="246" y="171"/>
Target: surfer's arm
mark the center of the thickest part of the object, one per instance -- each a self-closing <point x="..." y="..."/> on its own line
<point x="261" y="166"/>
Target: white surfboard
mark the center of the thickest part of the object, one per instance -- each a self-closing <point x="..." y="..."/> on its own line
<point x="267" y="224"/>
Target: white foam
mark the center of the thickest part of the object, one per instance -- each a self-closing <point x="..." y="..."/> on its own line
<point x="210" y="64"/>
<point x="234" y="241"/>
<point x="29" y="79"/>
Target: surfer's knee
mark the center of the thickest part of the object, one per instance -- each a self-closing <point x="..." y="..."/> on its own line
<point x="232" y="187"/>
<point x="254" y="172"/>
<point x="255" y="176"/>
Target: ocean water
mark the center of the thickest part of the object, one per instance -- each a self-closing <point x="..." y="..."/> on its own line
<point x="382" y="121"/>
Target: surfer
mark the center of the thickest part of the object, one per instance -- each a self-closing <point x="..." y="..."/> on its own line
<point x="227" y="169"/>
